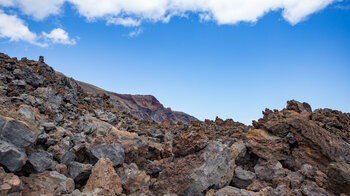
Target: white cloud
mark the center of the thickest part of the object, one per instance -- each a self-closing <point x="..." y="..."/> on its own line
<point x="128" y="22"/>
<point x="221" y="11"/>
<point x="136" y="32"/>
<point x="38" y="9"/>
<point x="131" y="12"/>
<point x="14" y="29"/>
<point x="59" y="36"/>
<point x="134" y="12"/>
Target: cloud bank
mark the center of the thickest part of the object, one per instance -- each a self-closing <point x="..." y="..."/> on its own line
<point x="133" y="13"/>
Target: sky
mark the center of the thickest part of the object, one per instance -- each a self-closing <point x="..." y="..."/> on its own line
<point x="208" y="58"/>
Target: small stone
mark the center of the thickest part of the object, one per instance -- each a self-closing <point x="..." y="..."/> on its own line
<point x="48" y="127"/>
<point x="233" y="191"/>
<point x="155" y="133"/>
<point x="242" y="178"/>
<point x="62" y="169"/>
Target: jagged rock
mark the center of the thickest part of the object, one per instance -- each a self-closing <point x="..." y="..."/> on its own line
<point x="42" y="138"/>
<point x="87" y="128"/>
<point x="257" y="185"/>
<point x="79" y="172"/>
<point x="310" y="188"/>
<point x="18" y="133"/>
<point x="19" y="83"/>
<point x="155" y="133"/>
<point x="233" y="191"/>
<point x="62" y="169"/>
<point x="52" y="100"/>
<point x="133" y="180"/>
<point x="189" y="143"/>
<point x="11" y="157"/>
<point x="298" y="107"/>
<point x="103" y="179"/>
<point x="10" y="184"/>
<point x="48" y="127"/>
<point x="238" y="150"/>
<point x="41" y="161"/>
<point x="68" y="157"/>
<point x="242" y="178"/>
<point x="47" y="183"/>
<point x="296" y="178"/>
<point x="193" y="174"/>
<point x="27" y="112"/>
<point x="106" y="116"/>
<point x="268" y="170"/>
<point x="114" y="152"/>
<point x="281" y="190"/>
<point x="307" y="170"/>
<point x="339" y="177"/>
<point x="267" y="146"/>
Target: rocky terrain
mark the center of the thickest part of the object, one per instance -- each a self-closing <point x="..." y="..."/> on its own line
<point x="145" y="107"/>
<point x="58" y="139"/>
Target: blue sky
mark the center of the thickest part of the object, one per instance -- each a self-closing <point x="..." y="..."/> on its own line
<point x="203" y="63"/>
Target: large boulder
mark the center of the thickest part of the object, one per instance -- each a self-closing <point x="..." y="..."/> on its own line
<point x="47" y="183"/>
<point x="41" y="161"/>
<point x="18" y="133"/>
<point x="114" y="152"/>
<point x="339" y="178"/>
<point x="104" y="179"/>
<point x="195" y="173"/>
<point x="11" y="157"/>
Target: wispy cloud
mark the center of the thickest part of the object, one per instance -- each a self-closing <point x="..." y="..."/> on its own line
<point x="128" y="22"/>
<point x="136" y="32"/>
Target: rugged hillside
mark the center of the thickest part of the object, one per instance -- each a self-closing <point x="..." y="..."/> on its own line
<point x="57" y="139"/>
<point x="146" y="107"/>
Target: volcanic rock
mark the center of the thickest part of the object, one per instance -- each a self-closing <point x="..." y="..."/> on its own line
<point x="103" y="179"/>
<point x="47" y="183"/>
<point x="11" y="157"/>
<point x="114" y="152"/>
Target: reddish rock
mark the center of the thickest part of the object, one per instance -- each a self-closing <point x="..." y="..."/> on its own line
<point x="10" y="184"/>
<point x="47" y="183"/>
<point x="189" y="143"/>
<point x="103" y="179"/>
